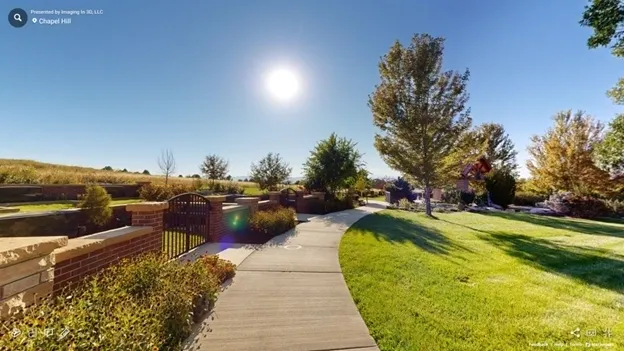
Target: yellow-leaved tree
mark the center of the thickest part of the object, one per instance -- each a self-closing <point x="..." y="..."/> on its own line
<point x="562" y="159"/>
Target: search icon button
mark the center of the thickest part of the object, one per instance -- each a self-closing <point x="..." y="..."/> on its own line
<point x="18" y="18"/>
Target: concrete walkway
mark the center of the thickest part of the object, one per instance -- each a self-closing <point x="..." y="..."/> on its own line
<point x="289" y="294"/>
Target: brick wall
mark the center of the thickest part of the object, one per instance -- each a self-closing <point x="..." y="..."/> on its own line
<point x="70" y="271"/>
<point x="26" y="193"/>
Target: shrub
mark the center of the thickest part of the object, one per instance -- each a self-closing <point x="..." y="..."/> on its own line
<point x="527" y="199"/>
<point x="586" y="207"/>
<point x="222" y="269"/>
<point x="273" y="222"/>
<point x="96" y="205"/>
<point x="401" y="189"/>
<point x="467" y="197"/>
<point x="225" y="188"/>
<point x="144" y="303"/>
<point x="404" y="204"/>
<point x="161" y="192"/>
<point x="501" y="185"/>
<point x="339" y="203"/>
<point x="452" y="196"/>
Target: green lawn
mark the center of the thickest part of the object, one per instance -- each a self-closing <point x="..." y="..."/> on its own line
<point x="63" y="205"/>
<point x="485" y="282"/>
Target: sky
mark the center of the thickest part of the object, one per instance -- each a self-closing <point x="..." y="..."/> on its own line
<point x="190" y="76"/>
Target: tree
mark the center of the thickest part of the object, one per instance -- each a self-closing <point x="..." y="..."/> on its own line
<point x="610" y="151"/>
<point x="606" y="18"/>
<point x="96" y="205"/>
<point x="229" y="177"/>
<point x="561" y="160"/>
<point x="333" y="165"/>
<point x="420" y="111"/>
<point x="498" y="148"/>
<point x="125" y="170"/>
<point x="107" y="168"/>
<point x="167" y="164"/>
<point x="501" y="185"/>
<point x="195" y="176"/>
<point x="146" y="172"/>
<point x="362" y="183"/>
<point x="270" y="171"/>
<point x="214" y="167"/>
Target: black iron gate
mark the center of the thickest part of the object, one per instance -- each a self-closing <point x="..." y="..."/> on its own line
<point x="186" y="223"/>
<point x="288" y="198"/>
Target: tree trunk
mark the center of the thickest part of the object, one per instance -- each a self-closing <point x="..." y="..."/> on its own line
<point x="428" y="200"/>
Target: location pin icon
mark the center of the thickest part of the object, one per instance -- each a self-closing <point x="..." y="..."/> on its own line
<point x="34" y="20"/>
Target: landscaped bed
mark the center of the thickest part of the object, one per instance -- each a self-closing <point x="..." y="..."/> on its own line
<point x="495" y="281"/>
<point x="146" y="303"/>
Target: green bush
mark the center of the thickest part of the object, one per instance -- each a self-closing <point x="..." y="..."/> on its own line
<point x="452" y="196"/>
<point x="273" y="222"/>
<point x="96" y="204"/>
<point x="225" y="188"/>
<point x="161" y="192"/>
<point x="467" y="197"/>
<point x="339" y="203"/>
<point x="586" y="207"/>
<point x="527" y="199"/>
<point x="143" y="303"/>
<point x="404" y="204"/>
<point x="501" y="185"/>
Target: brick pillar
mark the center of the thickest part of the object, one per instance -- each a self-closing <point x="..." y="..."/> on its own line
<point x="301" y="202"/>
<point x="437" y="194"/>
<point x="217" y="227"/>
<point x="274" y="196"/>
<point x="149" y="214"/>
<point x="251" y="202"/>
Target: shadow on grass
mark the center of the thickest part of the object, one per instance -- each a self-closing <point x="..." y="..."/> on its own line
<point x="595" y="266"/>
<point x="603" y="227"/>
<point x="384" y="226"/>
<point x="592" y="266"/>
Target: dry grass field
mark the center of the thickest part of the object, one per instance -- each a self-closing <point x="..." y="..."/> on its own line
<point x="32" y="172"/>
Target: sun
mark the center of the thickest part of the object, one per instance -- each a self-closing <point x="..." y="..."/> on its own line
<point x="283" y="84"/>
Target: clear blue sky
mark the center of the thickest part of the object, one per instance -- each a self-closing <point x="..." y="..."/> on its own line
<point x="147" y="75"/>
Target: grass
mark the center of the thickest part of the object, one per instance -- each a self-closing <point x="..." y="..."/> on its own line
<point x="63" y="205"/>
<point x="485" y="282"/>
<point x="174" y="242"/>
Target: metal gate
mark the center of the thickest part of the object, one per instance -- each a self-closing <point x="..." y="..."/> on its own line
<point x="186" y="223"/>
<point x="288" y="198"/>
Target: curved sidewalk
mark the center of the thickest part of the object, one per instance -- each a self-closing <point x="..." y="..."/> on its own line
<point x="290" y="295"/>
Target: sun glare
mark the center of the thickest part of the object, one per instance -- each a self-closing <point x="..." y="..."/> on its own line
<point x="283" y="84"/>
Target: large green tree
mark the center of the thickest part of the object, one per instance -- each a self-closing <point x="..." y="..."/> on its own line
<point x="497" y="146"/>
<point x="606" y="19"/>
<point x="214" y="167"/>
<point x="562" y="159"/>
<point x="610" y="152"/>
<point x="333" y="165"/>
<point x="421" y="112"/>
<point x="270" y="171"/>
